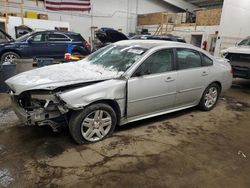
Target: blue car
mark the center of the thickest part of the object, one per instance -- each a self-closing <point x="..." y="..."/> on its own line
<point x="52" y="44"/>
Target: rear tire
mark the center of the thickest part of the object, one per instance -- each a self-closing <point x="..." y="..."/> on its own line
<point x="209" y="97"/>
<point x="92" y="124"/>
<point x="9" y="57"/>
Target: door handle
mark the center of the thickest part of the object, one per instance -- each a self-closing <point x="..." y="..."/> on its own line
<point x="169" y="79"/>
<point x="204" y="73"/>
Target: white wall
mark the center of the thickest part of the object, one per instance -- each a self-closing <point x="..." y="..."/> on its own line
<point x="35" y="24"/>
<point x="235" y="24"/>
<point x="187" y="32"/>
<point x="118" y="14"/>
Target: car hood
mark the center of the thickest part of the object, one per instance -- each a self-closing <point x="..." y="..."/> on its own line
<point x="7" y="35"/>
<point x="237" y="49"/>
<point x="110" y="36"/>
<point x="54" y="76"/>
<point x="7" y="43"/>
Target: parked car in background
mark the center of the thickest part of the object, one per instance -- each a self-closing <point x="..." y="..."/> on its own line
<point x="159" y="37"/>
<point x="239" y="58"/>
<point x="107" y="36"/>
<point x="51" y="44"/>
<point x="120" y="83"/>
<point x="4" y="37"/>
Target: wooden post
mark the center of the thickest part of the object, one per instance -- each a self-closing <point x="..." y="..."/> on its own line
<point x="6" y="11"/>
<point x="21" y="7"/>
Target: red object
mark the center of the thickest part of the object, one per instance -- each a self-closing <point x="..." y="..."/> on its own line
<point x="68" y="5"/>
<point x="67" y="56"/>
<point x="204" y="45"/>
<point x="86" y="45"/>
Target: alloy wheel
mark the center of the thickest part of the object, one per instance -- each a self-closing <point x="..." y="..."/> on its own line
<point x="96" y="125"/>
<point x="9" y="58"/>
<point x="211" y="97"/>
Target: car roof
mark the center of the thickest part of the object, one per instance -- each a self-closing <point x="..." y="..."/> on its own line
<point x="153" y="43"/>
<point x="150" y="44"/>
<point x="56" y="31"/>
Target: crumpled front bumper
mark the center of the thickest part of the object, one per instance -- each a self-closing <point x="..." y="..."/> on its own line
<point x="35" y="117"/>
<point x="19" y="111"/>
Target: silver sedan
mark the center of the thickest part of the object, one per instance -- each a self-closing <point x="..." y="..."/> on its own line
<point x="121" y="83"/>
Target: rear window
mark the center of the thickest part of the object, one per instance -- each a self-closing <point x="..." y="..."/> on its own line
<point x="238" y="57"/>
<point x="76" y="37"/>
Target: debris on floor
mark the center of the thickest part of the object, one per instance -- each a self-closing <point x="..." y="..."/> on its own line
<point x="242" y="154"/>
<point x="5" y="178"/>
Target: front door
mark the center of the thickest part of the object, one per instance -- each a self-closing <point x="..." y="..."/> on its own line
<point x="152" y="88"/>
<point x="38" y="45"/>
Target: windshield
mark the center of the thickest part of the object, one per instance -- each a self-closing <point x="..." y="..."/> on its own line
<point x="24" y="37"/>
<point x="244" y="42"/>
<point x="118" y="58"/>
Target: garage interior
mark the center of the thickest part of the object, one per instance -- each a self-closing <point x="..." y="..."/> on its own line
<point x="186" y="148"/>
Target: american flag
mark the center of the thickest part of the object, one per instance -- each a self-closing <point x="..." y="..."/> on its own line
<point x="68" y="5"/>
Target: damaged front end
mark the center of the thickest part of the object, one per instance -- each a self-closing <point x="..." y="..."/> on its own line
<point x="39" y="108"/>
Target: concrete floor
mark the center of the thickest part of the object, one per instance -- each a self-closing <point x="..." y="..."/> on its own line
<point x="184" y="149"/>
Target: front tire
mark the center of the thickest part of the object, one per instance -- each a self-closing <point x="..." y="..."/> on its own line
<point x="92" y="124"/>
<point x="9" y="57"/>
<point x="209" y="97"/>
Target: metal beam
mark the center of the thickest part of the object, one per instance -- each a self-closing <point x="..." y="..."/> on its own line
<point x="206" y="3"/>
<point x="182" y="4"/>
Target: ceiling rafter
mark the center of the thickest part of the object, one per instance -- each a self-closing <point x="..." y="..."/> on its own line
<point x="206" y="3"/>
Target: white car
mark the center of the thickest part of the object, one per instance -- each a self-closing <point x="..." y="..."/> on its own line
<point x="239" y="58"/>
<point x="121" y="83"/>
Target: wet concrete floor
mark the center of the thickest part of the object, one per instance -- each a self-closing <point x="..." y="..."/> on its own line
<point x="189" y="148"/>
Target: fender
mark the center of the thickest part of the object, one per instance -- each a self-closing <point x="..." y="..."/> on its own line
<point x="114" y="89"/>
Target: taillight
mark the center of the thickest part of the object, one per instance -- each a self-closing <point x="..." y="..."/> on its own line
<point x="232" y="71"/>
<point x="86" y="45"/>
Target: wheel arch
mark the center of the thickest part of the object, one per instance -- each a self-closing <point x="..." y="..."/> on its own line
<point x="218" y="83"/>
<point x="113" y="104"/>
<point x="8" y="50"/>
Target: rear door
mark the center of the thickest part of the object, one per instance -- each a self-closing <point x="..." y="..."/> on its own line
<point x="58" y="44"/>
<point x="192" y="76"/>
<point x="152" y="88"/>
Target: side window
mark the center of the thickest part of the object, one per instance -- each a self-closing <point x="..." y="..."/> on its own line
<point x="158" y="62"/>
<point x="57" y="37"/>
<point x="207" y="61"/>
<point x="39" y="38"/>
<point x="187" y="59"/>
